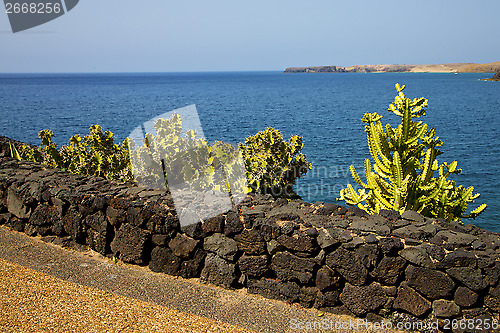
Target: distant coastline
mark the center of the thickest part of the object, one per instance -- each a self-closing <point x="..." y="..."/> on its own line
<point x="435" y="68"/>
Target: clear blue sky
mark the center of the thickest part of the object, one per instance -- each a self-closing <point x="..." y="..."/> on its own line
<point x="201" y="35"/>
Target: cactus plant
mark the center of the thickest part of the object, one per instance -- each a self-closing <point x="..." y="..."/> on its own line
<point x="274" y="164"/>
<point x="405" y="166"/>
<point x="95" y="154"/>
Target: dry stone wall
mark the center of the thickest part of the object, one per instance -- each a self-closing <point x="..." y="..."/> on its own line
<point x="322" y="255"/>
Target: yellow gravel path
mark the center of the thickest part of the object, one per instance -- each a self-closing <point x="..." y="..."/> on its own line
<point x="34" y="302"/>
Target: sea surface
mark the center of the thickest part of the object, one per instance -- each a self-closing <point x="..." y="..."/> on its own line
<point x="325" y="109"/>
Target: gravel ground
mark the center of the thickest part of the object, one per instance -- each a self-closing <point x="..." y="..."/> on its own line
<point x="34" y="302"/>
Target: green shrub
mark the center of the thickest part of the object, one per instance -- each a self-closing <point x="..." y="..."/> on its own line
<point x="186" y="159"/>
<point x="96" y="154"/>
<point x="405" y="167"/>
<point x="265" y="163"/>
<point x="272" y="163"/>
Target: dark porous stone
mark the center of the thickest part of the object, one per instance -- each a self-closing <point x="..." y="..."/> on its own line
<point x="298" y="242"/>
<point x="465" y="297"/>
<point x="356" y="211"/>
<point x="44" y="214"/>
<point x="218" y="271"/>
<point x="429" y="231"/>
<point x="221" y="245"/>
<point x="288" y="228"/>
<point x="213" y="225"/>
<point x="492" y="299"/>
<point x="390" y="246"/>
<point x="410" y="301"/>
<point x="183" y="245"/>
<point x="445" y="309"/>
<point x="165" y="261"/>
<point x="233" y="224"/>
<point x="432" y="283"/>
<point x="376" y="224"/>
<point x="327" y="279"/>
<point x="434" y="251"/>
<point x="129" y="244"/>
<point x="371" y="239"/>
<point x="470" y="277"/>
<point x="458" y="258"/>
<point x="369" y="255"/>
<point x="193" y="230"/>
<point x="410" y="231"/>
<point x="251" y="242"/>
<point x="328" y="209"/>
<point x="270" y="230"/>
<point x="327" y="298"/>
<point x="456" y="239"/>
<point x="73" y="225"/>
<point x="98" y="241"/>
<point x="191" y="268"/>
<point x="411" y="215"/>
<point x="16" y="224"/>
<point x="361" y="300"/>
<point x="15" y="203"/>
<point x="253" y="265"/>
<point x="115" y="216"/>
<point x="283" y="291"/>
<point x="273" y="247"/>
<point x="97" y="222"/>
<point x="349" y="265"/>
<point x="308" y="296"/>
<point x="389" y="270"/>
<point x="328" y="237"/>
<point x="159" y="240"/>
<point x="311" y="232"/>
<point x="391" y="215"/>
<point x="417" y="256"/>
<point x="134" y="217"/>
<point x="289" y="267"/>
<point x="354" y="243"/>
<point x="492" y="274"/>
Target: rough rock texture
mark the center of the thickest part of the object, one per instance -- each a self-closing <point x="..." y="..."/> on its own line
<point x="320" y="255"/>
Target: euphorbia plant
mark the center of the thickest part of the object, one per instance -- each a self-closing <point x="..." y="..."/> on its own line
<point x="406" y="173"/>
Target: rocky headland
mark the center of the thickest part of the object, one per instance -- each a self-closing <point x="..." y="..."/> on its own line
<point x="435" y="68"/>
<point x="495" y="77"/>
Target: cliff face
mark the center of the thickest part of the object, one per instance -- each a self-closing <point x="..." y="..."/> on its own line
<point x="437" y="68"/>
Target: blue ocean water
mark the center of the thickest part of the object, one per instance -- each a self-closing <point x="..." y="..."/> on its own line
<point x="325" y="109"/>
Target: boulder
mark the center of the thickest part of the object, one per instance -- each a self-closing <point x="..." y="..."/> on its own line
<point x="471" y="278"/>
<point x="432" y="283"/>
<point x="363" y="299"/>
<point x="269" y="288"/>
<point x="390" y="246"/>
<point x="417" y="256"/>
<point x="165" y="261"/>
<point x="410" y="301"/>
<point x="326" y="278"/>
<point x="183" y="245"/>
<point x="129" y="244"/>
<point x="223" y="246"/>
<point x="218" y="271"/>
<point x="250" y="241"/>
<point x="389" y="270"/>
<point x="290" y="268"/>
<point x="445" y="309"/>
<point x="253" y="265"/>
<point x="349" y="265"/>
<point x="465" y="297"/>
<point x="298" y="242"/>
